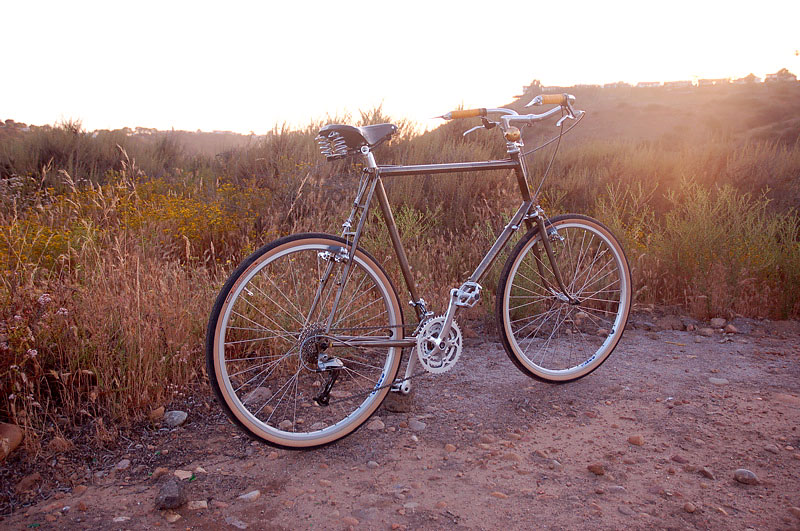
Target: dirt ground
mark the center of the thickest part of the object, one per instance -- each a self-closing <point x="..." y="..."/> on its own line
<point x="652" y="439"/>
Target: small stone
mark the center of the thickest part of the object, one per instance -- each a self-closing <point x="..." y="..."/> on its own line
<point x="183" y="474"/>
<point x="602" y="332"/>
<point x="372" y="464"/>
<point x="689" y="507"/>
<point x="124" y="464"/>
<point x="82" y="507"/>
<point x="10" y="437"/>
<point x="449" y="447"/>
<point x="707" y="332"/>
<point x="257" y="396"/>
<point x="318" y="426"/>
<point x="272" y="455"/>
<point x="730" y="329"/>
<point x="707" y="473"/>
<point x="235" y="522"/>
<point x="121" y="519"/>
<point x="217" y="504"/>
<point x="349" y="520"/>
<point x="79" y="490"/>
<point x="250" y="496"/>
<point x="555" y="464"/>
<point x="285" y="425"/>
<point x="745" y="476"/>
<point x="376" y="425"/>
<point x="512" y="456"/>
<point x="416" y="425"/>
<point x="498" y="494"/>
<point x="795" y="511"/>
<point x="717" y="322"/>
<point x="772" y="448"/>
<point x="690" y="327"/>
<point x="27" y="483"/>
<point x="200" y="470"/>
<point x="158" y="472"/>
<point x="487" y="438"/>
<point x="173" y="419"/>
<point x="325" y="483"/>
<point x="637" y="440"/>
<point x="170" y="495"/>
<point x="156" y="414"/>
<point x="624" y="509"/>
<point x="679" y="459"/>
<point x="441" y="505"/>
<point x="197" y="505"/>
<point x="171" y="517"/>
<point x="718" y="381"/>
<point x="597" y="469"/>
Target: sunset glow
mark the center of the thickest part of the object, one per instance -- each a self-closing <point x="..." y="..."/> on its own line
<point x="245" y="66"/>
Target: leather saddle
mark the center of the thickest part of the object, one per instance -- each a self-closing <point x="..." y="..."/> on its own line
<point x="354" y="137"/>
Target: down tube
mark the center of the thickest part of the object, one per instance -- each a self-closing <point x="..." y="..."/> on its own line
<point x="501" y="242"/>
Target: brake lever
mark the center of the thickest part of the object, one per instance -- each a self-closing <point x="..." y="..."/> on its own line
<point x="487" y="124"/>
<point x="471" y="130"/>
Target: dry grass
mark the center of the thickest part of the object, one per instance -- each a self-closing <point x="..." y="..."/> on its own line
<point x="111" y="255"/>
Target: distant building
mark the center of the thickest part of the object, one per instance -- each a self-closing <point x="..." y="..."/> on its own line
<point x="617" y="84"/>
<point x="749" y="78"/>
<point x="648" y="84"/>
<point x="709" y="82"/>
<point x="584" y="86"/>
<point x="678" y="84"/>
<point x="781" y="76"/>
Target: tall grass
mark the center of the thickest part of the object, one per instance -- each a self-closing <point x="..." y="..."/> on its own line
<point x="112" y="248"/>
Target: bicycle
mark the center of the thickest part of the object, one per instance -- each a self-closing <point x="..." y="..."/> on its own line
<point x="306" y="337"/>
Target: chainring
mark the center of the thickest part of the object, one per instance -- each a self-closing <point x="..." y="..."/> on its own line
<point x="444" y="360"/>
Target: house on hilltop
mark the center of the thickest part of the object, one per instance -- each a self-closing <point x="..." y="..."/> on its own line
<point x="648" y="84"/>
<point x="710" y="82"/>
<point x="749" y="78"/>
<point x="781" y="76"/>
<point x="678" y="84"/>
<point x="618" y="84"/>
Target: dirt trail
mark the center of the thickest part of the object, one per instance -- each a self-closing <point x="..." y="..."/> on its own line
<point x="524" y="454"/>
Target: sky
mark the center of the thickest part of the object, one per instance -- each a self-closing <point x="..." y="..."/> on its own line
<point x="252" y="66"/>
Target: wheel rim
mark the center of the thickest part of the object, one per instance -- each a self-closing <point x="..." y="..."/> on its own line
<point x="552" y="338"/>
<point x="263" y="362"/>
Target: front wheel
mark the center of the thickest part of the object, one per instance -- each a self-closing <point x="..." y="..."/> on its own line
<point x="274" y="352"/>
<point x="555" y="336"/>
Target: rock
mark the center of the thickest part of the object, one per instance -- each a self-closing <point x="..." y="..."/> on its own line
<point x="511" y="456"/>
<point x="171" y="517"/>
<point x="487" y="438"/>
<point x="624" y="509"/>
<point x="772" y="448"/>
<point x="199" y="470"/>
<point x="59" y="445"/>
<point x="79" y="490"/>
<point x="156" y="414"/>
<point x="398" y="402"/>
<point x="325" y="483"/>
<point x="449" y="447"/>
<point x="372" y="464"/>
<point x="183" y="474"/>
<point x="795" y="511"/>
<point x="742" y="475"/>
<point x="602" y="332"/>
<point x="259" y="395"/>
<point x="285" y="425"/>
<point x="708" y="332"/>
<point x="717" y="322"/>
<point x="318" y="426"/>
<point x="787" y="399"/>
<point x="121" y="519"/>
<point x="679" y="459"/>
<point x="158" y="472"/>
<point x="637" y="440"/>
<point x="197" y="505"/>
<point x="707" y="473"/>
<point x="718" y="381"/>
<point x="173" y="419"/>
<point x="689" y="507"/>
<point x="416" y="425"/>
<point x="349" y="520"/>
<point x="250" y="496"/>
<point x="730" y="329"/>
<point x="690" y="327"/>
<point x="498" y="494"/>
<point x="170" y="495"/>
<point x="29" y="482"/>
<point x="597" y="469"/>
<point x="235" y="522"/>
<point x="376" y="425"/>
<point x="10" y="437"/>
<point x="124" y="464"/>
<point x="272" y="455"/>
<point x="555" y="465"/>
<point x="669" y="322"/>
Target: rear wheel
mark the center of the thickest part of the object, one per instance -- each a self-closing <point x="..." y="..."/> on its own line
<point x="267" y="329"/>
<point x="545" y="334"/>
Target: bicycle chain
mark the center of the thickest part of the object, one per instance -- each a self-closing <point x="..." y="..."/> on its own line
<point x="393" y="382"/>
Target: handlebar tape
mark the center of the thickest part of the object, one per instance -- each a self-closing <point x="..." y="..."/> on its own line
<point x="554" y="99"/>
<point x="467" y="113"/>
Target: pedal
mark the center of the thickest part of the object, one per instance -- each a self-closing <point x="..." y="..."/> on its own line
<point x="467" y="295"/>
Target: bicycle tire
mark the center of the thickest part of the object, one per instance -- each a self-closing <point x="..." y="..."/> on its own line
<point x="260" y="324"/>
<point x="551" y="339"/>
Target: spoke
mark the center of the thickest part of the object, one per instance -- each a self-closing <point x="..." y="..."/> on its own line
<point x="265" y="315"/>
<point x="252" y="340"/>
